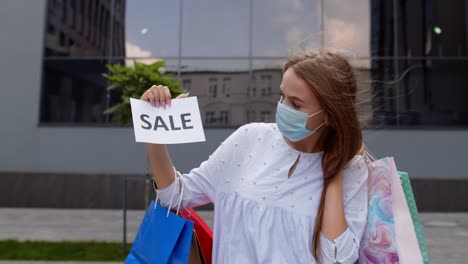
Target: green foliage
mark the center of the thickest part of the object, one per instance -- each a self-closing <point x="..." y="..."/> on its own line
<point x="133" y="82"/>
<point x="77" y="251"/>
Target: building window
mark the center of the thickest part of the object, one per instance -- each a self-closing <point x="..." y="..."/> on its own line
<point x="187" y="85"/>
<point x="252" y="90"/>
<point x="430" y="92"/>
<point x="213" y="88"/>
<point x="51" y="29"/>
<point x="101" y="32"/>
<point x="265" y="116"/>
<point x="224" y="117"/>
<point x="266" y="85"/>
<point x="251" y="116"/>
<point x="80" y="11"/>
<point x="210" y="118"/>
<point x="74" y="90"/>
<point x="73" y="13"/>
<point x="89" y="15"/>
<point x="64" y="12"/>
<point x="227" y="86"/>
<point x="62" y="39"/>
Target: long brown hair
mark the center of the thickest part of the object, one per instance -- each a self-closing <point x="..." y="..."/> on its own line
<point x="331" y="77"/>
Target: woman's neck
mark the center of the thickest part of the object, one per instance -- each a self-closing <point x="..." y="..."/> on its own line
<point x="309" y="144"/>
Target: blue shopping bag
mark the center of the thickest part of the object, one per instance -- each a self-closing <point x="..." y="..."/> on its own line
<point x="163" y="237"/>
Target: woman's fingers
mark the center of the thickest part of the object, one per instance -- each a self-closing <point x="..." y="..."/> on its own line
<point x="182" y="95"/>
<point x="160" y="95"/>
<point x="167" y="95"/>
<point x="154" y="96"/>
<point x="148" y="96"/>
<point x="144" y="96"/>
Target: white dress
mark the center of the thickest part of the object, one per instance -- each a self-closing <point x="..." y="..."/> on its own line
<point x="260" y="214"/>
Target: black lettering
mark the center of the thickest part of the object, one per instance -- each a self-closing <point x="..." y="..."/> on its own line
<point x="185" y="121"/>
<point x="171" y="120"/>
<point x="160" y="120"/>
<point x="142" y="117"/>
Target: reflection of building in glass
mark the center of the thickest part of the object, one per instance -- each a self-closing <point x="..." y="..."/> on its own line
<point x="73" y="89"/>
<point x="227" y="99"/>
<point x="423" y="43"/>
<point x="224" y="97"/>
<point x="85" y="28"/>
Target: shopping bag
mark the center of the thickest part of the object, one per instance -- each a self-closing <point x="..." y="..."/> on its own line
<point x="393" y="234"/>
<point x="196" y="255"/>
<point x="378" y="244"/>
<point x="407" y="241"/>
<point x="406" y="185"/>
<point x="203" y="233"/>
<point x="161" y="238"/>
<point x="164" y="236"/>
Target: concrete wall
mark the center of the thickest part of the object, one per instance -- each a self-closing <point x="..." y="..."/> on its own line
<point x="22" y="27"/>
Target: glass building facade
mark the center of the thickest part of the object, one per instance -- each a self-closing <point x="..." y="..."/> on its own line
<point x="410" y="56"/>
<point x="419" y="59"/>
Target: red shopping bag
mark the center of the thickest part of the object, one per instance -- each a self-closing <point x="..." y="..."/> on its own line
<point x="203" y="231"/>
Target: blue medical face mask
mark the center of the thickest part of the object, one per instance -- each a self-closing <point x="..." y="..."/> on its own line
<point x="292" y="123"/>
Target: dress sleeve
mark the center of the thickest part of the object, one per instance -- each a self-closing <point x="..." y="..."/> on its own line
<point x="201" y="183"/>
<point x="345" y="248"/>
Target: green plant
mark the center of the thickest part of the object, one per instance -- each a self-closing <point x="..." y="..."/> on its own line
<point x="133" y="82"/>
<point x="49" y="251"/>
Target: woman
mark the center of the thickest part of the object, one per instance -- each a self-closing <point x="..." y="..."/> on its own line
<point x="294" y="191"/>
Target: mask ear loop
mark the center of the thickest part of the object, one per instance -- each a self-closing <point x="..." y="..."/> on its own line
<point x="316" y="113"/>
<point x="324" y="123"/>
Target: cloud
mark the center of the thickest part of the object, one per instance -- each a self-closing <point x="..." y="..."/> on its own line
<point x="133" y="50"/>
<point x="297" y="39"/>
<point x="348" y="38"/>
<point x="348" y="26"/>
<point x="342" y="34"/>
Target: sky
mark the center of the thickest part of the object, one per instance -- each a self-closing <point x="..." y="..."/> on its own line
<point x="220" y="28"/>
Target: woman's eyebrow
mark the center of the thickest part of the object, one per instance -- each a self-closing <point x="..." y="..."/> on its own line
<point x="293" y="97"/>
<point x="297" y="98"/>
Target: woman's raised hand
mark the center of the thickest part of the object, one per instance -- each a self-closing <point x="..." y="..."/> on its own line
<point x="159" y="95"/>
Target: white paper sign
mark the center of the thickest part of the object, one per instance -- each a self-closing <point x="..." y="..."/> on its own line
<point x="178" y="123"/>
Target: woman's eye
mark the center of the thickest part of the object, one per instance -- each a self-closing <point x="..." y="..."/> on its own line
<point x="295" y="105"/>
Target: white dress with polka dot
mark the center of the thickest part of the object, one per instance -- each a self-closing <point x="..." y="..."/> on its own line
<point x="261" y="215"/>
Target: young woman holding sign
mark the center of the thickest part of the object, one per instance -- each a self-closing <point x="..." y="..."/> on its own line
<point x="294" y="191"/>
